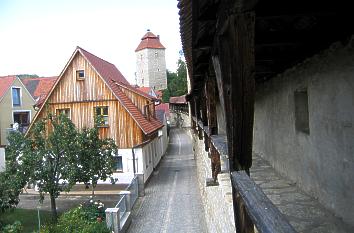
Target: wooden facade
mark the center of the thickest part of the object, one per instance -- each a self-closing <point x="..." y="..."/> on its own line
<point x="83" y="95"/>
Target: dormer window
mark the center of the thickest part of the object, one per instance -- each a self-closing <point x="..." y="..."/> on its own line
<point x="16" y="96"/>
<point x="80" y="75"/>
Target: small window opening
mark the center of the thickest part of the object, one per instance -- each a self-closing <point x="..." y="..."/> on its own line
<point x="80" y="74"/>
<point x="301" y="111"/>
<point x="102" y="111"/>
<point x="16" y="96"/>
<point x="118" y="163"/>
<point x="64" y="111"/>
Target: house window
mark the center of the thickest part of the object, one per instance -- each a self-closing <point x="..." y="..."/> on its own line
<point x="64" y="111"/>
<point x="80" y="74"/>
<point x="301" y="111"/>
<point x="118" y="163"/>
<point x="16" y="96"/>
<point x="102" y="111"/>
<point x="156" y="54"/>
<point x="22" y="119"/>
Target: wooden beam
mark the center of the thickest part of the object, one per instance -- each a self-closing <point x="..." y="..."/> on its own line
<point x="234" y="64"/>
<point x="259" y="208"/>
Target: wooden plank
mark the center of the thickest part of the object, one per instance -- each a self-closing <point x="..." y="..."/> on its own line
<point x="264" y="214"/>
<point x="210" y="86"/>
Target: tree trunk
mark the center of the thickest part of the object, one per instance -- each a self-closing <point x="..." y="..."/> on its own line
<point x="93" y="190"/>
<point x="54" y="208"/>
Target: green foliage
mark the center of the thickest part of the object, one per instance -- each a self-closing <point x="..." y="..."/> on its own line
<point x="17" y="171"/>
<point x="82" y="219"/>
<point x="27" y="217"/>
<point x="55" y="155"/>
<point x="95" y="157"/>
<point x="176" y="82"/>
<point x="16" y="227"/>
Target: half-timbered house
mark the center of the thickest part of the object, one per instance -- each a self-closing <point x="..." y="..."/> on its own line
<point x="89" y="86"/>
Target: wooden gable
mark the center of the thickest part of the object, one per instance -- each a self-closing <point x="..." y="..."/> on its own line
<point x="83" y="95"/>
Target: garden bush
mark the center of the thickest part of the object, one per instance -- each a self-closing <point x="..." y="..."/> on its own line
<point x="87" y="218"/>
<point x="16" y="227"/>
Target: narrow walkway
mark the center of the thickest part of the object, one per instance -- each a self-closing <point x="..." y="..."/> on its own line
<point x="172" y="201"/>
<point x="305" y="213"/>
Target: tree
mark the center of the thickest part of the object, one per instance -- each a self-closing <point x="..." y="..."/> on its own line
<point x="95" y="157"/>
<point x="54" y="155"/>
<point x="176" y="82"/>
<point x="17" y="172"/>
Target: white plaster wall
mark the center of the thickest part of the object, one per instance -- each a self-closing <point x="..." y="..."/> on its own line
<point x="217" y="200"/>
<point x="2" y="159"/>
<point x="321" y="162"/>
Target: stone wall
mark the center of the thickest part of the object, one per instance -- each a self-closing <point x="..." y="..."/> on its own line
<point x="304" y="127"/>
<point x="151" y="68"/>
<point x="217" y="200"/>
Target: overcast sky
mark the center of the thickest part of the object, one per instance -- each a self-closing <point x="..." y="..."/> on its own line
<point x="39" y="36"/>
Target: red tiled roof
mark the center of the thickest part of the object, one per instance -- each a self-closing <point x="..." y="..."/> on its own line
<point x="107" y="70"/>
<point x="5" y="83"/>
<point x="149" y="40"/>
<point x="137" y="91"/>
<point x="39" y="87"/>
<point x="165" y="107"/>
<point x="148" y="90"/>
<point x="178" y="100"/>
<point x="147" y="126"/>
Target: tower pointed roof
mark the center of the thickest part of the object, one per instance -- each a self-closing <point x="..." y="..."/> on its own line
<point x="149" y="40"/>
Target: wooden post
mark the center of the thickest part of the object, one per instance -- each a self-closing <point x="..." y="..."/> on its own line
<point x="211" y="105"/>
<point x="234" y="66"/>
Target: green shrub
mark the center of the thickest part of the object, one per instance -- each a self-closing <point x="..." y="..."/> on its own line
<point x="16" y="227"/>
<point x="82" y="219"/>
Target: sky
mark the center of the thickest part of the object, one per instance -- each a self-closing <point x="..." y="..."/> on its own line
<point x="39" y="36"/>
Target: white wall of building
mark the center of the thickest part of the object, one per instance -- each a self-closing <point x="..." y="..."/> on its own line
<point x="2" y="159"/>
<point x="147" y="157"/>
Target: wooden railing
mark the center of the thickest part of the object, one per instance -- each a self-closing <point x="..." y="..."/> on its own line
<point x="264" y="214"/>
<point x="250" y="200"/>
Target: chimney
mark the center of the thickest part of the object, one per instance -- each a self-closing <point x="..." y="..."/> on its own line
<point x="158" y="37"/>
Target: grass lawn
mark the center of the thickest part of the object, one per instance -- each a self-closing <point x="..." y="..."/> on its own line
<point x="28" y="218"/>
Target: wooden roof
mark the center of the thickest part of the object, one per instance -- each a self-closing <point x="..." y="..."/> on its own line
<point x="286" y="32"/>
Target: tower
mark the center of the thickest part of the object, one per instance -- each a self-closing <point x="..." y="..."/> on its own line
<point x="150" y="62"/>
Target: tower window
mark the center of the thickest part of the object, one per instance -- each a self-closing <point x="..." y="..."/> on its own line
<point x="156" y="54"/>
<point x="301" y="111"/>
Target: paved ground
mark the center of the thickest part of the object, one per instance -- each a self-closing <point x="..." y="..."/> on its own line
<point x="305" y="213"/>
<point x="172" y="201"/>
<point x="65" y="202"/>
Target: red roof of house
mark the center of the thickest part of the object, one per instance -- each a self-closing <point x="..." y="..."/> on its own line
<point x="39" y="87"/>
<point x="149" y="40"/>
<point x="107" y="70"/>
<point x="147" y="126"/>
<point x="178" y="100"/>
<point x="5" y="83"/>
<point x="148" y="90"/>
<point x="165" y="107"/>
